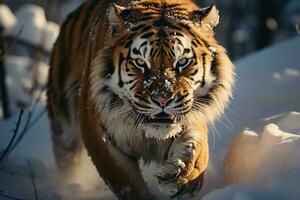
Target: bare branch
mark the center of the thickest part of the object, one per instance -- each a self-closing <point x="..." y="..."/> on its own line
<point x="12" y="42"/>
<point x="15" y="132"/>
<point x="28" y="45"/>
<point x="36" y="194"/>
<point x="28" y="123"/>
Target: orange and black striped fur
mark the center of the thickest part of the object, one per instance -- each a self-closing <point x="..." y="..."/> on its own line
<point x="137" y="81"/>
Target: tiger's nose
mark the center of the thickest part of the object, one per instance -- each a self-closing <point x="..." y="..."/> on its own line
<point x="162" y="102"/>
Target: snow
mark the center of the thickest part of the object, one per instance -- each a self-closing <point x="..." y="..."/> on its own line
<point x="36" y="148"/>
<point x="264" y="88"/>
<point x="263" y="161"/>
<point x="50" y="33"/>
<point x="7" y="18"/>
<point x="259" y="165"/>
<point x="32" y="26"/>
<point x="31" y="20"/>
<point x="20" y="79"/>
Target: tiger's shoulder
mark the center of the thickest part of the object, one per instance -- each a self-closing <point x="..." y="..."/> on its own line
<point x="81" y="34"/>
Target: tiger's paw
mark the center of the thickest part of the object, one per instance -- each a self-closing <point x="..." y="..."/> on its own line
<point x="180" y="174"/>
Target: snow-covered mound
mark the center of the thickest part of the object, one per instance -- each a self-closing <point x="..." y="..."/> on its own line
<point x="7" y="18"/>
<point x="20" y="79"/>
<point x="268" y="84"/>
<point x="50" y="33"/>
<point x="265" y="165"/>
<point x="32" y="27"/>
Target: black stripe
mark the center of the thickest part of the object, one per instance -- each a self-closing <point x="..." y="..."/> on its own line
<point x="131" y="88"/>
<point x="128" y="43"/>
<point x="141" y="105"/>
<point x="171" y="54"/>
<point x="129" y="82"/>
<point x="143" y="44"/>
<point x="145" y="51"/>
<point x="151" y="52"/>
<point x="121" y="60"/>
<point x="197" y="82"/>
<point x="185" y="51"/>
<point x="135" y="51"/>
<point x="194" y="73"/>
<point x="104" y="89"/>
<point x="207" y="99"/>
<point x="213" y="67"/>
<point x="115" y="101"/>
<point x="194" y="44"/>
<point x="147" y="35"/>
<point x="204" y="68"/>
<point x="141" y="98"/>
<point x="185" y="26"/>
<point x="136" y="28"/>
<point x="109" y="69"/>
<point x="179" y="41"/>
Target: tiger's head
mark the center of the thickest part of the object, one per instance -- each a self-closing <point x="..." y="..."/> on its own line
<point x="167" y="68"/>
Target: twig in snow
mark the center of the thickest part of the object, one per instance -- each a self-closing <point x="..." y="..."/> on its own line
<point x="15" y="132"/>
<point x="28" y="123"/>
<point x="36" y="194"/>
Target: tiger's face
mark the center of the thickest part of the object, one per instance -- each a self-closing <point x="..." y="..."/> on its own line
<point x="166" y="65"/>
<point x="162" y="70"/>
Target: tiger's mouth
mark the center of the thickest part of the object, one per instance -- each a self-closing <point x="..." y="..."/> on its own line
<point x="161" y="118"/>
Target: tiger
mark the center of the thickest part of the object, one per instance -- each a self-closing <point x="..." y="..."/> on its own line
<point x="133" y="81"/>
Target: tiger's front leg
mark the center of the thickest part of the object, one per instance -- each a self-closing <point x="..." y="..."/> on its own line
<point x="182" y="172"/>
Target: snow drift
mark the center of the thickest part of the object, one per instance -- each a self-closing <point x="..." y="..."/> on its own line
<point x="7" y="18"/>
<point x="30" y="25"/>
<point x="263" y="165"/>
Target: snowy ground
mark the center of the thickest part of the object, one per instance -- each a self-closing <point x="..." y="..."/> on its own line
<point x="259" y="165"/>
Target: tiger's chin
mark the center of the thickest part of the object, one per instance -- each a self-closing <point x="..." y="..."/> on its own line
<point x="161" y="131"/>
<point x="161" y="126"/>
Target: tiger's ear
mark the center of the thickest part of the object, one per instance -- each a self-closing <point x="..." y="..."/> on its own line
<point x="209" y="16"/>
<point x="119" y="15"/>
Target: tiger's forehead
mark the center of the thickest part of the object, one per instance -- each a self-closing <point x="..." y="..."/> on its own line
<point x="161" y="41"/>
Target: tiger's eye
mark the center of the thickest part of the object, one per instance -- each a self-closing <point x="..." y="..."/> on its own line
<point x="140" y="62"/>
<point x="183" y="61"/>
